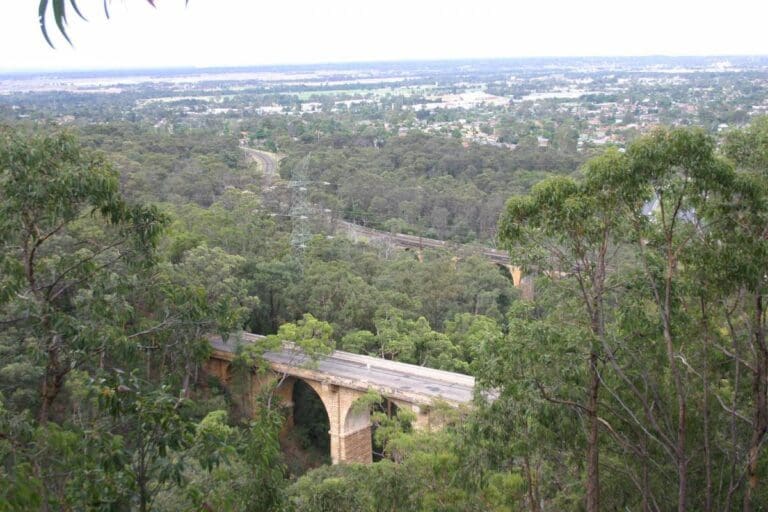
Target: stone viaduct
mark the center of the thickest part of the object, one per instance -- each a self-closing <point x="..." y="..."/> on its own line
<point x="340" y="379"/>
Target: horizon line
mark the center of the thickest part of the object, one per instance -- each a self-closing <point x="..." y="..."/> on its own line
<point x="287" y="65"/>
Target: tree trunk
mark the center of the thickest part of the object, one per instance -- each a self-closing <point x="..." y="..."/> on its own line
<point x="646" y="505"/>
<point x="598" y="329"/>
<point x="141" y="470"/>
<point x="532" y="498"/>
<point x="734" y="455"/>
<point x="760" y="422"/>
<point x="681" y="459"/>
<point x="705" y="408"/>
<point x="185" y="385"/>
<point x="53" y="380"/>
<point x="593" y="449"/>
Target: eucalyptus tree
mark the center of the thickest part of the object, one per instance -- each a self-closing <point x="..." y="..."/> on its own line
<point x="747" y="228"/>
<point x="69" y="242"/>
<point x="672" y="178"/>
<point x="566" y="230"/>
<point x="635" y="241"/>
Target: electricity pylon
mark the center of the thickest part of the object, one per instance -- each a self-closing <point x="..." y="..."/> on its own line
<point x="301" y="231"/>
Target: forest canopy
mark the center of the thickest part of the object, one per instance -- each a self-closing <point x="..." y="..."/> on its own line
<point x="630" y="375"/>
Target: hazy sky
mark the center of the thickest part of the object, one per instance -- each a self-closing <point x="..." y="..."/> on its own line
<point x="251" y="32"/>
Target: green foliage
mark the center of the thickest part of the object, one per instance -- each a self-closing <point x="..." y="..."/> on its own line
<point x="424" y="480"/>
<point x="22" y="489"/>
<point x="648" y="269"/>
<point x="82" y="292"/>
<point x="472" y="334"/>
<point x="190" y="167"/>
<point x="367" y="401"/>
<point x="409" y="341"/>
<point x="159" y="433"/>
<point x="309" y="335"/>
<point x="249" y="476"/>
<point x="643" y="267"/>
<point x="425" y="184"/>
<point x="71" y="248"/>
<point x="60" y="16"/>
<point x="389" y="429"/>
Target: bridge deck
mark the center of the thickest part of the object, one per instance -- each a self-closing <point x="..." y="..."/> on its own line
<point x="409" y="382"/>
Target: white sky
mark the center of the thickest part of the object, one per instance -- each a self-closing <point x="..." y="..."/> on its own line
<point x="252" y="32"/>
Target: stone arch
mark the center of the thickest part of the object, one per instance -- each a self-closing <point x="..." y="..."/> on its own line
<point x="319" y="437"/>
<point x="285" y="393"/>
<point x="328" y="394"/>
<point x="349" y="427"/>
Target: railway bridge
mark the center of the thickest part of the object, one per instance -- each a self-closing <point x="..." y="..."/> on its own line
<point x="499" y="257"/>
<point x="340" y="379"/>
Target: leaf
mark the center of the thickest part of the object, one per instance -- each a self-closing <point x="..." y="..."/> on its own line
<point x="60" y="15"/>
<point x="77" y="9"/>
<point x="41" y="18"/>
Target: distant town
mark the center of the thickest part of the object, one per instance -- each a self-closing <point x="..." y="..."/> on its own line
<point x="563" y="104"/>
